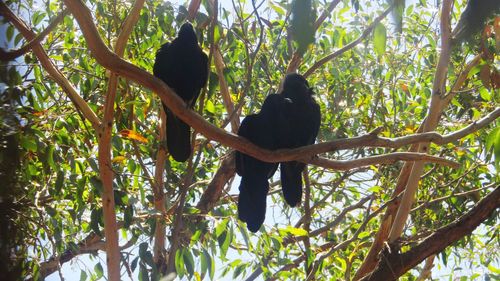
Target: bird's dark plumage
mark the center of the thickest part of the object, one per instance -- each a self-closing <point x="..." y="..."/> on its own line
<point x="287" y="120"/>
<point x="474" y="17"/>
<point x="305" y="116"/>
<point x="183" y="66"/>
<point x="262" y="129"/>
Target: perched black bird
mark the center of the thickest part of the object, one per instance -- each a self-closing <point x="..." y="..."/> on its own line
<point x="304" y="115"/>
<point x="183" y="66"/>
<point x="473" y="18"/>
<point x="264" y="129"/>
<point x="287" y="120"/>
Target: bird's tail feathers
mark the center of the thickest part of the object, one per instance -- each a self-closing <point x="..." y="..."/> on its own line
<point x="252" y="201"/>
<point x="291" y="182"/>
<point x="178" y="137"/>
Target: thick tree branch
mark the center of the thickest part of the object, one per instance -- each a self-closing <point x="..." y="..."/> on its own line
<point x="109" y="60"/>
<point x="91" y="243"/>
<point x="214" y="189"/>
<point x="194" y="5"/>
<point x="394" y="264"/>
<point x="395" y="216"/>
<point x="49" y="66"/>
<point x="159" y="252"/>
<point x="427" y="270"/>
<point x="105" y="147"/>
<point x="389" y="158"/>
<point x="432" y="120"/>
<point x="13" y="54"/>
<point x="371" y="258"/>
<point x="224" y="88"/>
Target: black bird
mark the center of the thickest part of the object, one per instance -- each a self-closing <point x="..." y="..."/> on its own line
<point x="286" y="120"/>
<point x="473" y="18"/>
<point x="183" y="66"/>
<point x="264" y="129"/>
<point x="304" y="115"/>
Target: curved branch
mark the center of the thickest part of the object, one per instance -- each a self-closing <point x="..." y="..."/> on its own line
<point x="105" y="169"/>
<point x="214" y="189"/>
<point x="13" y="54"/>
<point x="111" y="61"/>
<point x="349" y="46"/>
<point x="432" y="120"/>
<point x="224" y="88"/>
<point x="194" y="5"/>
<point x="51" y="69"/>
<point x="380" y="159"/>
<point x="326" y="13"/>
<point x="91" y="243"/>
<point x="394" y="264"/>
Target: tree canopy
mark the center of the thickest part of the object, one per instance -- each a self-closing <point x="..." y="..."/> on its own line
<point x="405" y="167"/>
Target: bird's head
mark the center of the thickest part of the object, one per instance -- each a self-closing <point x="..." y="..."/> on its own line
<point x="187" y="33"/>
<point x="295" y="84"/>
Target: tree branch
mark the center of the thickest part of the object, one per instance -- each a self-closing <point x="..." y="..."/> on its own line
<point x="159" y="252"/>
<point x="326" y="13"/>
<point x="349" y="46"/>
<point x="109" y="60"/>
<point x="394" y="264"/>
<point x="105" y="147"/>
<point x="380" y="159"/>
<point x="224" y="88"/>
<point x="49" y="66"/>
<point x="432" y="120"/>
<point x="13" y="54"/>
<point x="214" y="189"/>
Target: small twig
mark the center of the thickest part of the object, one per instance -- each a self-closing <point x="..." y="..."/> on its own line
<point x="349" y="46"/>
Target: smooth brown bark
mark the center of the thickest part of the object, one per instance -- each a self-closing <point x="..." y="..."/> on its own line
<point x="393" y="264"/>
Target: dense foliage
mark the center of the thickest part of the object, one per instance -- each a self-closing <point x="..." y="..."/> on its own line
<point x="386" y="80"/>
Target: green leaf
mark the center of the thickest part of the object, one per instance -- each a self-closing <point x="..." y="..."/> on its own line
<point x="493" y="269"/>
<point x="143" y="273"/>
<point x="83" y="275"/>
<point x="59" y="181"/>
<point x="205" y="260"/>
<point x="485" y="94"/>
<point x="492" y="138"/>
<point x="38" y="17"/>
<point x="397" y="13"/>
<point x="95" y="217"/>
<point x="294" y="231"/>
<point x="28" y="144"/>
<point x="188" y="262"/>
<point x="217" y="33"/>
<point x="277" y="8"/>
<point x="210" y="107"/>
<point x="99" y="270"/>
<point x="179" y="262"/>
<point x="50" y="156"/>
<point x="128" y="216"/>
<point x="302" y="24"/>
<point x="379" y="39"/>
<point x="240" y="268"/>
<point x="133" y="264"/>
<point x="10" y="32"/>
<point x="221" y="227"/>
<point x="224" y="241"/>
